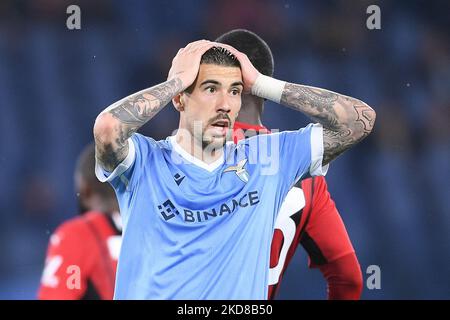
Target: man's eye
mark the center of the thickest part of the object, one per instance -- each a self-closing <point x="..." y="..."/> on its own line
<point x="235" y="92"/>
<point x="211" y="89"/>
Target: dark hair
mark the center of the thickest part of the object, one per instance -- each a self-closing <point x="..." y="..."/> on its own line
<point x="253" y="46"/>
<point x="85" y="167"/>
<point x="218" y="56"/>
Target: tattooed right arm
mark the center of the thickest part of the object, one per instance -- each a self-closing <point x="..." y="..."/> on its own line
<point x="119" y="121"/>
<point x="345" y="120"/>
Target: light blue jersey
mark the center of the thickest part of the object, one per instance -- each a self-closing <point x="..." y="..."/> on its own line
<point x="193" y="230"/>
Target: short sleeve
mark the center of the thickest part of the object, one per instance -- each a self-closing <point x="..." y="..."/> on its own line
<point x="301" y="153"/>
<point x="316" y="167"/>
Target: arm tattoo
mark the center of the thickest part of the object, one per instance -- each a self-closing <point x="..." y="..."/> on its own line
<point x="138" y="108"/>
<point x="108" y="155"/>
<point x="346" y="120"/>
<point x="335" y="142"/>
<point x="319" y="102"/>
<point x="132" y="113"/>
<point x="365" y="117"/>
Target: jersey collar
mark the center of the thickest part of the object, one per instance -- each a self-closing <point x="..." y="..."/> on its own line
<point x="210" y="167"/>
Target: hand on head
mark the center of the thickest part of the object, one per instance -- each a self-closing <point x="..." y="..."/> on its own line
<point x="186" y="63"/>
<point x="249" y="72"/>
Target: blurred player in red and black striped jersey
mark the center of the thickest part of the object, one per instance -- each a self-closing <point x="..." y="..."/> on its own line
<point x="82" y="253"/>
<point x="308" y="215"/>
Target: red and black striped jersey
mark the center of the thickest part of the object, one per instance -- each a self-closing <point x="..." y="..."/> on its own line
<point x="82" y="258"/>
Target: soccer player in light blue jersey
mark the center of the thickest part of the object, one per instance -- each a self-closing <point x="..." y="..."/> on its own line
<point x="198" y="212"/>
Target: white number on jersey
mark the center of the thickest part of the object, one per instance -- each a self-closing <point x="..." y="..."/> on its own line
<point x="49" y="278"/>
<point x="114" y="243"/>
<point x="294" y="202"/>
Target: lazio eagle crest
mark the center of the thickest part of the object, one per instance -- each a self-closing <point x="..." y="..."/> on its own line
<point x="240" y="171"/>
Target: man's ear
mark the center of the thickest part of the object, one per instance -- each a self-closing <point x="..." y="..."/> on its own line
<point x="178" y="102"/>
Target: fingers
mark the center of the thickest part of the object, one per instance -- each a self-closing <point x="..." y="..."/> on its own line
<point x="223" y="45"/>
<point x="186" y="62"/>
<point x="196" y="48"/>
<point x="228" y="47"/>
<point x="196" y="45"/>
<point x="201" y="46"/>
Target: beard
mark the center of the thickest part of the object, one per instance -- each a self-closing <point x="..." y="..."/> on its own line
<point x="216" y="142"/>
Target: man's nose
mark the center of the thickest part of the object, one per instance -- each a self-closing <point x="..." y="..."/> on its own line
<point x="223" y="105"/>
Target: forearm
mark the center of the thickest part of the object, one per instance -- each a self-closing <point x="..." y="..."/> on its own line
<point x="344" y="278"/>
<point x="119" y="121"/>
<point x="346" y="120"/>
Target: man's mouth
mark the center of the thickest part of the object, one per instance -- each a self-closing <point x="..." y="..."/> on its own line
<point x="221" y="123"/>
<point x="220" y="127"/>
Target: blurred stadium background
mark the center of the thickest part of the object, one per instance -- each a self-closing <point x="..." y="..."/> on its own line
<point x="393" y="190"/>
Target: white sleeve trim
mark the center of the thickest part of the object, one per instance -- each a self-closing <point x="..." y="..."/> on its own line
<point x="104" y="176"/>
<point x="316" y="168"/>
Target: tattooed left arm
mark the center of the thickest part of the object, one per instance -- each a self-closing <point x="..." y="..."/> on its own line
<point x="346" y="120"/>
<point x="115" y="125"/>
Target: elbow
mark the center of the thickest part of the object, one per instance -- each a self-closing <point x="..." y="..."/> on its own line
<point x="374" y="117"/>
<point x="105" y="128"/>
<point x="371" y="117"/>
<point x="365" y="120"/>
